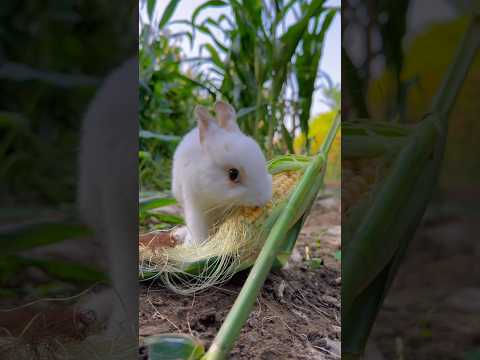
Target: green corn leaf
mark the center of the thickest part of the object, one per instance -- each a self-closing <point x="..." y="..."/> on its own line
<point x="151" y="8"/>
<point x="166" y="218"/>
<point x="217" y="24"/>
<point x="307" y="65"/>
<point x="154" y="203"/>
<point x="208" y="4"/>
<point x="168" y="13"/>
<point x="205" y="30"/>
<point x="286" y="248"/>
<point x="288" y="162"/>
<point x="199" y="84"/>
<point x="214" y="55"/>
<point x="288" y="44"/>
<point x="223" y="18"/>
<point x="282" y="12"/>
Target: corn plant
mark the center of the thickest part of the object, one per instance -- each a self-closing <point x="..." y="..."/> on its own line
<point x="380" y="224"/>
<point x="260" y="57"/>
<point x="166" y="97"/>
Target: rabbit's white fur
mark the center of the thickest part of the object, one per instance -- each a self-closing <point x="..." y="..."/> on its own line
<point x="200" y="176"/>
<point x="108" y="192"/>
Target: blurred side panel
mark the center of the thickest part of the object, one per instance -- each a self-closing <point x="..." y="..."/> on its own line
<point x="410" y="175"/>
<point x="60" y="64"/>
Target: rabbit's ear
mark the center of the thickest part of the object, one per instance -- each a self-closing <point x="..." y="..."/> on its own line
<point x="226" y="116"/>
<point x="204" y="120"/>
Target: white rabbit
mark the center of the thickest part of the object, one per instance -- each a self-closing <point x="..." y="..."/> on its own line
<point x="217" y="167"/>
<point x="108" y="193"/>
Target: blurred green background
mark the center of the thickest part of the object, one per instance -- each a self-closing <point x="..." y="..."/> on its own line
<point x="53" y="56"/>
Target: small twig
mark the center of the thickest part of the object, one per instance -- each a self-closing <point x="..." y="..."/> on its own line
<point x="161" y="316"/>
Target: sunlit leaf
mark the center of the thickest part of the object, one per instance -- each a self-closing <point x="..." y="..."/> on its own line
<point x="168" y="13"/>
<point x="151" y="8"/>
<point x="208" y="4"/>
<point x="155" y="202"/>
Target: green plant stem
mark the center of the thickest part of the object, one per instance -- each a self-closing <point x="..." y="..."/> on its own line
<point x="240" y="311"/>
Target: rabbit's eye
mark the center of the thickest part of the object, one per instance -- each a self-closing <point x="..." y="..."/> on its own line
<point x="233" y="175"/>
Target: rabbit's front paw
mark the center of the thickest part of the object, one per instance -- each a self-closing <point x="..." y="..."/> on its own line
<point x="182" y="235"/>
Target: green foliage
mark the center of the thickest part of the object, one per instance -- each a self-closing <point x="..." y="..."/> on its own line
<point x="166" y="100"/>
<point x="154" y="203"/>
<point x="256" y="58"/>
<point x="151" y="220"/>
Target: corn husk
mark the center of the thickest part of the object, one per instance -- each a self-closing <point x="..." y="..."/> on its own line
<point x="233" y="244"/>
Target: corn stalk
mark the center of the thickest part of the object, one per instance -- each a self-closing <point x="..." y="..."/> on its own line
<point x="379" y="241"/>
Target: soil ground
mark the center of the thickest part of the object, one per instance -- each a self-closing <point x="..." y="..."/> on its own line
<point x="433" y="308"/>
<point x="296" y="316"/>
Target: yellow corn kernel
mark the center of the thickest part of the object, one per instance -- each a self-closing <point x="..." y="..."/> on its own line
<point x="282" y="184"/>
